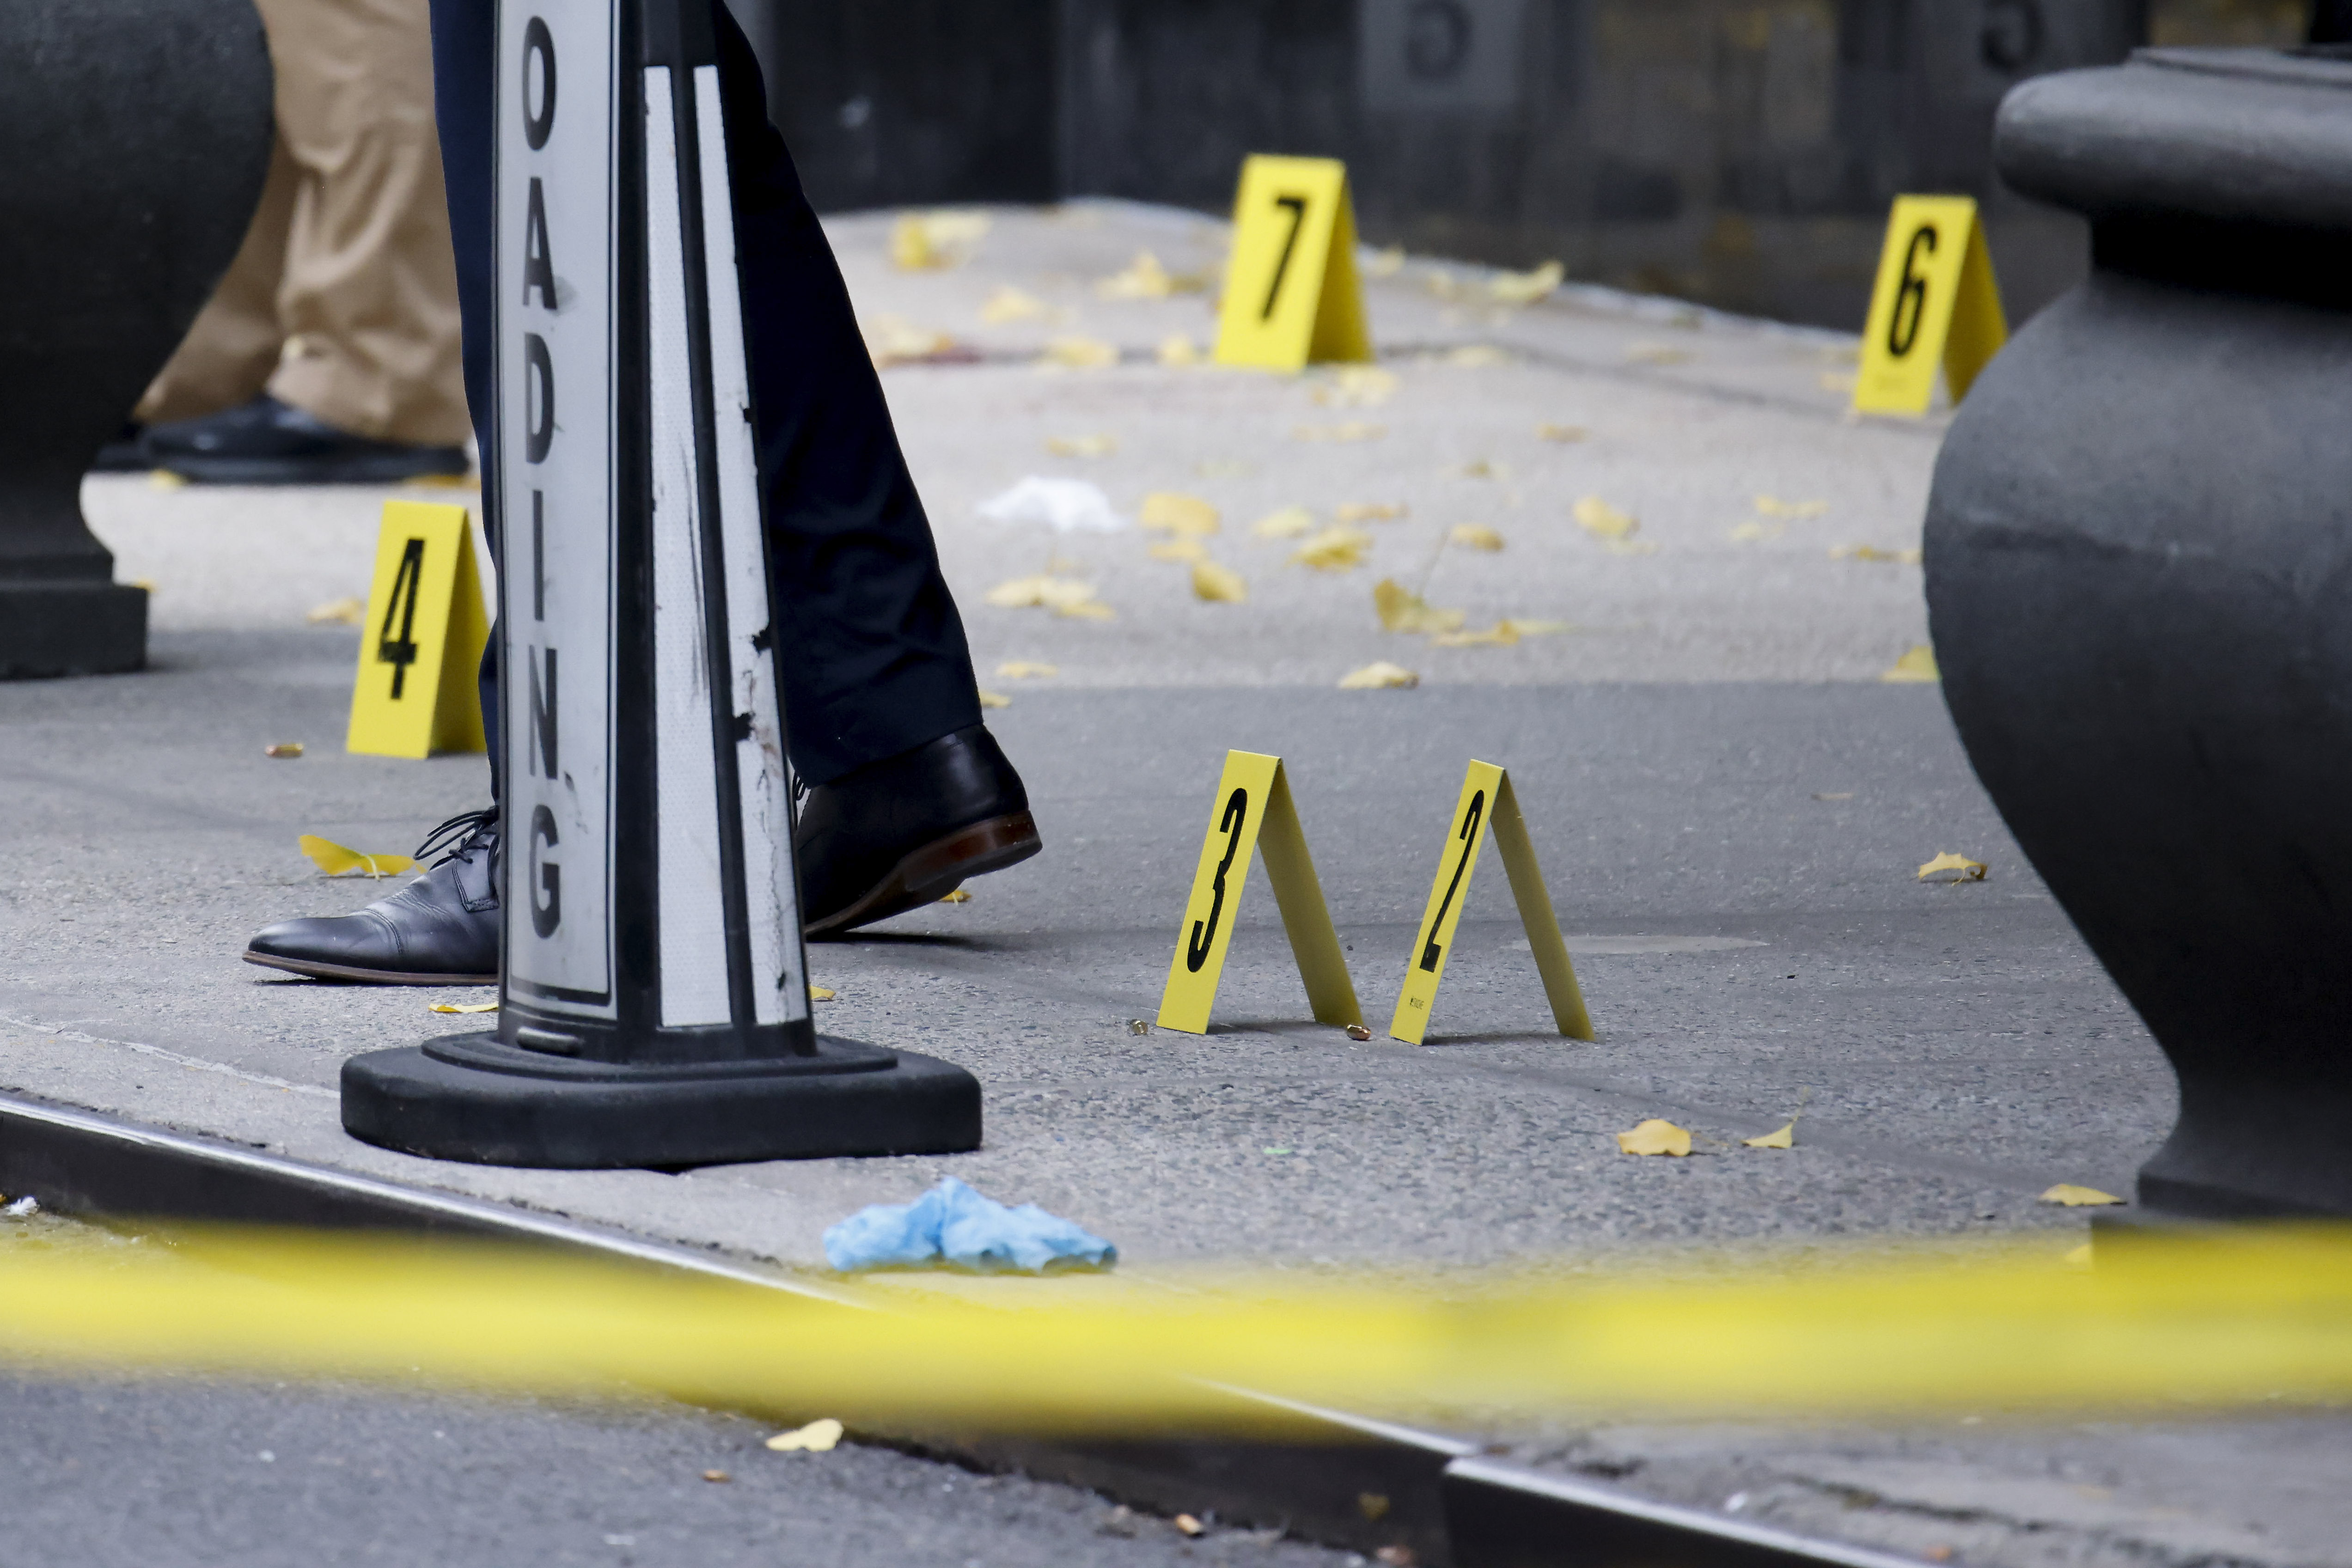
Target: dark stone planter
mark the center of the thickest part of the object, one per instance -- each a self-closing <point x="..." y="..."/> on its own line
<point x="2139" y="576"/>
<point x="134" y="135"/>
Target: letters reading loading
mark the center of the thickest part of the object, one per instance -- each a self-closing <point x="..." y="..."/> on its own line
<point x="544" y="877"/>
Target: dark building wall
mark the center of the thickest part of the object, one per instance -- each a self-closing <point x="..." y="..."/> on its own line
<point x="1740" y="152"/>
<point x="899" y="103"/>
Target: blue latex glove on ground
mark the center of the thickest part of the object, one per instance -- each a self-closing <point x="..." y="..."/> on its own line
<point x="953" y="1227"/>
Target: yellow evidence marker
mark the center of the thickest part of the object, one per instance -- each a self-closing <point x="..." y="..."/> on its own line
<point x="1253" y="811"/>
<point x="1936" y="304"/>
<point x="1291" y="291"/>
<point x="1487" y="801"/>
<point x="421" y="644"/>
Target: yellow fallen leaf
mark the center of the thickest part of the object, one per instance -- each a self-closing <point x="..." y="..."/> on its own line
<point x="1752" y="531"/>
<point x="1484" y="468"/>
<point x="1290" y="523"/>
<point x="817" y="1437"/>
<point x="1368" y="512"/>
<point x="1181" y="550"/>
<point x="1962" y="869"/>
<point x="1385" y="263"/>
<point x="1477" y="357"/>
<point x="284" y="751"/>
<point x="896" y="341"/>
<point x="993" y="699"/>
<point x="1179" y="350"/>
<point x="1218" y="584"/>
<point x="1773" y="506"/>
<point x="1336" y="549"/>
<point x="1603" y="521"/>
<point x="1379" y="675"/>
<point x="1082" y="445"/>
<point x="1919" y="665"/>
<point x="818" y="994"/>
<point x="960" y="895"/>
<point x="1655" y="1137"/>
<point x="1403" y="610"/>
<point x="164" y="479"/>
<point x="1501" y="634"/>
<point x="1655" y="354"/>
<point x="1786" y="1138"/>
<point x="1474" y="536"/>
<point x="1563" y="433"/>
<point x="1144" y="278"/>
<point x="1026" y="670"/>
<point x="1358" y="386"/>
<point x="1077" y="354"/>
<point x="1526" y="288"/>
<point x="1065" y="596"/>
<point x="465" y="1007"/>
<point x="2074" y="1196"/>
<point x="1010" y="304"/>
<point x="1872" y="552"/>
<point x="1340" y="435"/>
<point x="337" y="859"/>
<point x="1172" y="511"/>
<point x="921" y="241"/>
<point x="337" y="612"/>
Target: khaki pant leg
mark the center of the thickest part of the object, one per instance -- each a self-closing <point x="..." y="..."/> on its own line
<point x="233" y="345"/>
<point x="369" y="295"/>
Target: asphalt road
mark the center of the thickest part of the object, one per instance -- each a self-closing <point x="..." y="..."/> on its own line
<point x="174" y="1471"/>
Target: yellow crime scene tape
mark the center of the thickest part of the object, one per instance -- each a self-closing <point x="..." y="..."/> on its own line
<point x="2172" y="1324"/>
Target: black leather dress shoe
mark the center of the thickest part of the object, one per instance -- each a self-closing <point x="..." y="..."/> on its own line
<point x="265" y="442"/>
<point x="440" y="930"/>
<point x="909" y="830"/>
<point x="126" y="454"/>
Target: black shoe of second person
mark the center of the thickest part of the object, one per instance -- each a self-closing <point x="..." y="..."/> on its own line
<point x="266" y="442"/>
<point x="907" y="830"/>
<point x="440" y="930"/>
<point x="126" y="454"/>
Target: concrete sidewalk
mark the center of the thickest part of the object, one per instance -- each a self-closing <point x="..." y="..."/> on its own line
<point x="1728" y="804"/>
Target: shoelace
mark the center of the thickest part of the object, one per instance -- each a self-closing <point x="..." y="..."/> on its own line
<point x="460" y="837"/>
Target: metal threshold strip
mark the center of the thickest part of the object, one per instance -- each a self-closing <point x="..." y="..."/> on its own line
<point x="1367" y="1485"/>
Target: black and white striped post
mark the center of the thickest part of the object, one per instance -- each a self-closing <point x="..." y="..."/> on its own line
<point x="655" y="1005"/>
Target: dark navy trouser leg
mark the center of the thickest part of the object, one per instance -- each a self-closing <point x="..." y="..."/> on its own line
<point x="875" y="657"/>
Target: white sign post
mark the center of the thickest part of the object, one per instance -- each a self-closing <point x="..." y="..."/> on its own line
<point x="655" y="1005"/>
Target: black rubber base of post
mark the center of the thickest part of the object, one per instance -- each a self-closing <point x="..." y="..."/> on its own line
<point x="467" y="1097"/>
<point x="71" y="628"/>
